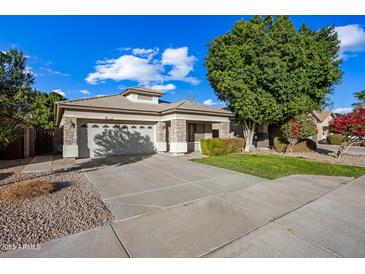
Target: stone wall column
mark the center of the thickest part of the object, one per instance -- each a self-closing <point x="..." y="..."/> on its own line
<point x="224" y="129"/>
<point x="161" y="144"/>
<point x="70" y="147"/>
<point x="178" y="133"/>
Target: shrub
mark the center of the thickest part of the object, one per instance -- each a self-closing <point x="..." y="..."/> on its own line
<point x="221" y="146"/>
<point x="335" y="139"/>
<point x="279" y="144"/>
<point x="305" y="145"/>
<point x="27" y="190"/>
<point x="298" y="129"/>
<point x="350" y="125"/>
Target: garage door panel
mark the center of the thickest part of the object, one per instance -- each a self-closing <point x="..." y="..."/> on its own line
<point x="117" y="139"/>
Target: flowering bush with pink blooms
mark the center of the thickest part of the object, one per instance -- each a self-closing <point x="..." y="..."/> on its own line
<point x="352" y="126"/>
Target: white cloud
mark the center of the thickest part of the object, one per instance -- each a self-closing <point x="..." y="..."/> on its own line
<point x="59" y="91"/>
<point x="53" y="71"/>
<point x="343" y="110"/>
<point x="100" y="95"/>
<point x="182" y="64"/>
<point x="145" y="52"/>
<point x="144" y="67"/>
<point x="126" y="67"/>
<point x="85" y="92"/>
<point x="124" y="49"/>
<point x="209" y="102"/>
<point x="166" y="87"/>
<point x="352" y="39"/>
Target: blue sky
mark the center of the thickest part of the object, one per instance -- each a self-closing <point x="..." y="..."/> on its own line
<point x="99" y="55"/>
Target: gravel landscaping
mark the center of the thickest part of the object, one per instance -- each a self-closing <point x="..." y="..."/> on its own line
<point x="74" y="206"/>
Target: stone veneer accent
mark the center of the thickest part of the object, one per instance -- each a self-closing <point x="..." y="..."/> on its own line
<point x="70" y="131"/>
<point x="178" y="131"/>
<point x="224" y="129"/>
<point x="161" y="132"/>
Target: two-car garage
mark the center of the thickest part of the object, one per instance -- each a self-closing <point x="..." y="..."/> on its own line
<point x="96" y="139"/>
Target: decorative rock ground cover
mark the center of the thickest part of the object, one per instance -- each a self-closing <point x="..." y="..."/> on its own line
<point x="74" y="206"/>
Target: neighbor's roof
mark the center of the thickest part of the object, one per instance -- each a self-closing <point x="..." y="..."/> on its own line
<point x="321" y="116"/>
<point x="119" y="103"/>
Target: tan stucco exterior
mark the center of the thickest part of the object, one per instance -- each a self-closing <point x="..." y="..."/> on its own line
<point x="171" y="125"/>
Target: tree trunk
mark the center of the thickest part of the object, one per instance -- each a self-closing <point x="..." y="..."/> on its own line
<point x="248" y="133"/>
<point x="344" y="146"/>
<point x="289" y="147"/>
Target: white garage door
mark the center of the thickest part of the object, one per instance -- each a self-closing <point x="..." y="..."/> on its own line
<point x="98" y="139"/>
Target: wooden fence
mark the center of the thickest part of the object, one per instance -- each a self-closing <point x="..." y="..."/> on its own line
<point x="48" y="141"/>
<point x="34" y="142"/>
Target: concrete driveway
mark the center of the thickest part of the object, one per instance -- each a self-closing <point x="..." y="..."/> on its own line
<point x="166" y="206"/>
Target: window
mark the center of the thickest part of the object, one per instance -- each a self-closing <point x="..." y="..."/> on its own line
<point x="133" y="127"/>
<point x="84" y="126"/>
<point x="124" y="127"/>
<point x="105" y="126"/>
<point x="116" y="126"/>
<point x="141" y="127"/>
<point x="95" y="126"/>
<point x="215" y="133"/>
<point x="149" y="127"/>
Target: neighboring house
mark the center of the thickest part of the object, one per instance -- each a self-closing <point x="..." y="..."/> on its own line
<point x="265" y="134"/>
<point x="136" y="121"/>
<point x="322" y="120"/>
<point x="22" y="147"/>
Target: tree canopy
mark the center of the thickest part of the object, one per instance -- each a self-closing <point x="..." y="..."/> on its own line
<point x="360" y="97"/>
<point x="268" y="72"/>
<point x="42" y="113"/>
<point x="16" y="94"/>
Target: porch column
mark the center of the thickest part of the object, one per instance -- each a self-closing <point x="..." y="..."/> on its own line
<point x="161" y="144"/>
<point x="70" y="148"/>
<point x="178" y="142"/>
<point x="262" y="136"/>
<point x="223" y="129"/>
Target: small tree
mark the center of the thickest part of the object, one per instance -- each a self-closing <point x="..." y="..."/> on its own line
<point x="16" y="94"/>
<point x="42" y="113"/>
<point x="360" y="96"/>
<point x="297" y="129"/>
<point x="352" y="126"/>
<point x="268" y="72"/>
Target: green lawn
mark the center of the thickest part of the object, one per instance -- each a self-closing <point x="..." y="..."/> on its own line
<point x="273" y="166"/>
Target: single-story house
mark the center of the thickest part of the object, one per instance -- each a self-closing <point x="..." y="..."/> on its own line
<point x="136" y="121"/>
<point x="322" y="120"/>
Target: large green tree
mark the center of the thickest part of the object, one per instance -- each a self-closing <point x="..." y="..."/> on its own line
<point x="268" y="72"/>
<point x="16" y="94"/>
<point x="42" y="113"/>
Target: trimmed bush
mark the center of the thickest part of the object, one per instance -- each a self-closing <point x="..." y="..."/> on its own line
<point x="221" y="146"/>
<point x="279" y="144"/>
<point x="305" y="145"/>
<point x="335" y="139"/>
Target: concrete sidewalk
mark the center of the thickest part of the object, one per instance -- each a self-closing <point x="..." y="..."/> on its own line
<point x="39" y="164"/>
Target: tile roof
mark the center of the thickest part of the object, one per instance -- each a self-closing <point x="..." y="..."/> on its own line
<point x="143" y="90"/>
<point x="120" y="102"/>
<point x="322" y="115"/>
